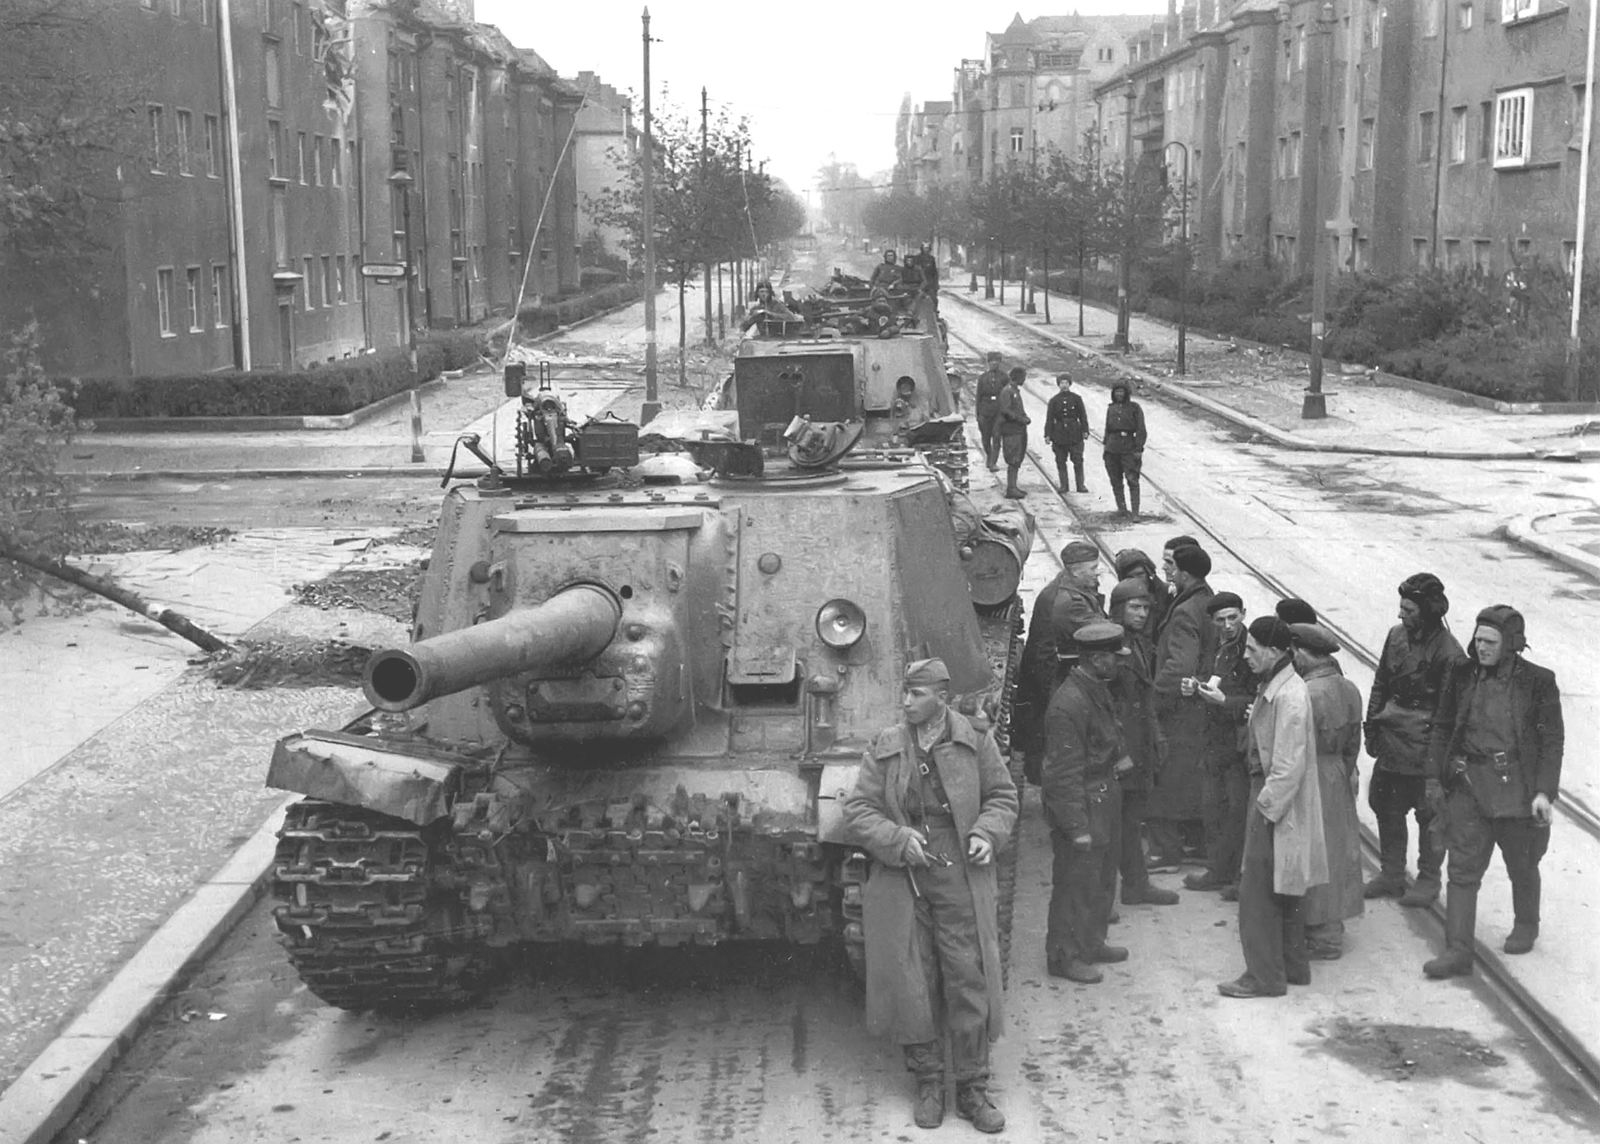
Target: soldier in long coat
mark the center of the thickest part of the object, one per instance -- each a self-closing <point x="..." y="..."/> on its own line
<point x="987" y="395"/>
<point x="1186" y="646"/>
<point x="1284" y="851"/>
<point x="1336" y="713"/>
<point x="933" y="805"/>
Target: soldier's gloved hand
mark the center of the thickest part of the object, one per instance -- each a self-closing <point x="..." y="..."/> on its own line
<point x="1082" y="842"/>
<point x="1433" y="792"/>
<point x="1543" y="812"/>
<point x="979" y="851"/>
<point x="915" y="854"/>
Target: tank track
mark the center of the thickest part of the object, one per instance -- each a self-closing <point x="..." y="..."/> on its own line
<point x="1002" y="637"/>
<point x="364" y="918"/>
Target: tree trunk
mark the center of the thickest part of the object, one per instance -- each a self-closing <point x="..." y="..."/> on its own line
<point x="1081" y="253"/>
<point x="711" y="337"/>
<point x="683" y="333"/>
<point x="1045" y="258"/>
<point x="162" y="615"/>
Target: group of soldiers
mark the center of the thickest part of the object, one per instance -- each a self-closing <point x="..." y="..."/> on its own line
<point x="919" y="271"/>
<point x="1163" y="726"/>
<point x="1003" y="426"/>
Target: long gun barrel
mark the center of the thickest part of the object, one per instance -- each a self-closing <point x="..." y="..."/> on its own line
<point x="568" y="629"/>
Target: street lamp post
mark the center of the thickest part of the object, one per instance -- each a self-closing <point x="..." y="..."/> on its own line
<point x="1315" y="405"/>
<point x="988" y="268"/>
<point x="402" y="180"/>
<point x="1183" y="267"/>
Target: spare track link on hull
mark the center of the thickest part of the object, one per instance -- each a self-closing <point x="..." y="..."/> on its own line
<point x="363" y="924"/>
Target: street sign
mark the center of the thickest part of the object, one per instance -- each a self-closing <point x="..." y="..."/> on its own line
<point x="383" y="270"/>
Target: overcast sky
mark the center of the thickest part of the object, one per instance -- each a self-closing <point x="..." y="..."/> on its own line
<point x="813" y="76"/>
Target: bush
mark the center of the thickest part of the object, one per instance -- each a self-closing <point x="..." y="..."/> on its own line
<point x="534" y="320"/>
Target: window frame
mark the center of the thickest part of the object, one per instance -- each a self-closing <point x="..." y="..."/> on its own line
<point x="1458" y="134"/>
<point x="1018" y="135"/>
<point x="308" y="273"/>
<point x="164" y="282"/>
<point x="213" y="126"/>
<point x="327" y="281"/>
<point x="1513" y="11"/>
<point x="219" y="295"/>
<point x="183" y="139"/>
<point x="300" y="157"/>
<point x="1366" y="144"/>
<point x="156" y="127"/>
<point x="193" y="300"/>
<point x="1427" y="136"/>
<point x="1504" y="159"/>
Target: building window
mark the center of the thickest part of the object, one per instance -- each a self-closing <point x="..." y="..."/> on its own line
<point x="164" y="300"/>
<point x="308" y="280"/>
<point x="213" y="146"/>
<point x="1419" y="251"/>
<point x="1524" y="247"/>
<point x="1480" y="255"/>
<point x="176" y="6"/>
<point x="340" y="281"/>
<point x="297" y="10"/>
<point x="327" y="280"/>
<point x="316" y="160"/>
<point x="1512" y="113"/>
<point x="1425" y="136"/>
<point x="219" y="295"/>
<point x="273" y="70"/>
<point x="192" y="297"/>
<point x="1300" y="48"/>
<point x="205" y="11"/>
<point x="1016" y="140"/>
<point x="280" y="228"/>
<point x="185" y="125"/>
<point x="1514" y="10"/>
<point x="1364" y="144"/>
<point x="1372" y="26"/>
<point x="1283" y="157"/>
<point x="335" y="163"/>
<point x="274" y="150"/>
<point x="301" y="162"/>
<point x="1458" y="134"/>
<point x="1464" y="16"/>
<point x="1452" y="253"/>
<point x="1569" y="257"/>
<point x="1288" y="58"/>
<point x="1486" y="129"/>
<point x="1363" y="254"/>
<point x="1430" y="18"/>
<point x="1294" y="155"/>
<point x="157" y="116"/>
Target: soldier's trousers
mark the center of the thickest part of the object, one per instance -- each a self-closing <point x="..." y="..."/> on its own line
<point x="1392" y="797"/>
<point x="1069" y="460"/>
<point x="1126" y="854"/>
<point x="1271" y="926"/>
<point x="1225" y="803"/>
<point x="947" y="937"/>
<point x="1472" y="839"/>
<point x="1080" y="900"/>
<point x="989" y="433"/>
<point x="1124" y="466"/>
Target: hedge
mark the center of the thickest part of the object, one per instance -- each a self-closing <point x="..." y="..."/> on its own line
<point x="534" y="320"/>
<point x="322" y="390"/>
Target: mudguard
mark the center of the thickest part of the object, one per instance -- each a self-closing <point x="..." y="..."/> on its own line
<point x="353" y="771"/>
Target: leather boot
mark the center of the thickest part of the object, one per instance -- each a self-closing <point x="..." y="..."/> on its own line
<point x="973" y="1103"/>
<point x="1122" y="503"/>
<point x="1423" y="893"/>
<point x="1012" y="491"/>
<point x="1133" y="497"/>
<point x="1385" y="886"/>
<point x="1077" y="473"/>
<point x="1061" y="478"/>
<point x="928" y="1111"/>
<point x="1460" y="920"/>
<point x="1522" y="937"/>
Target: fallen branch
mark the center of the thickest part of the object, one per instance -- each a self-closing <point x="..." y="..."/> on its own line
<point x="99" y="585"/>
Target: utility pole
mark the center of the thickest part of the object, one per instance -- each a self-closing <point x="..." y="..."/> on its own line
<point x="652" y="399"/>
<point x="1315" y="405"/>
<point x="1585" y="156"/>
<point x="705" y="238"/>
<point x="1124" y="270"/>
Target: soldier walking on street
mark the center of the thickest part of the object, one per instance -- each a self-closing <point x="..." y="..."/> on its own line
<point x="1124" y="446"/>
<point x="1227" y="691"/>
<point x="1284" y="851"/>
<point x="1066" y="424"/>
<point x="990" y="382"/>
<point x="1418" y="653"/>
<point x="1134" y="701"/>
<point x="1336" y="721"/>
<point x="1013" y="429"/>
<point x="933" y="805"/>
<point x="1084" y="753"/>
<point x="1494" y="763"/>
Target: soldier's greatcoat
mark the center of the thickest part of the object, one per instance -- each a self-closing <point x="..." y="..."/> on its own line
<point x="901" y="992"/>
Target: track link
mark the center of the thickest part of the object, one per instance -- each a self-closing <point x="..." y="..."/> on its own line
<point x="364" y="920"/>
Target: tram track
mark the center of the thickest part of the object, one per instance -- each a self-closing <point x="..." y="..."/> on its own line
<point x="1530" y="1014"/>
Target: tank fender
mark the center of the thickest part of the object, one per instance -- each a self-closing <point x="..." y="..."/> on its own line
<point x="351" y="771"/>
<point x="838" y="780"/>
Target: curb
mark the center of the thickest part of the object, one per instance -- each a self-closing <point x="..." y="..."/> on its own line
<point x="1271" y="432"/>
<point x="50" y="1091"/>
<point x="1522" y="531"/>
<point x="420" y="469"/>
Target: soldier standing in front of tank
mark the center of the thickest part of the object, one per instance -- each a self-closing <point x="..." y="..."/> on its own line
<point x="1124" y="446"/>
<point x="1013" y="429"/>
<point x="1418" y="654"/>
<point x="990" y="382"/>
<point x="1066" y="424"/>
<point x="933" y="805"/>
<point x="1085" y="752"/>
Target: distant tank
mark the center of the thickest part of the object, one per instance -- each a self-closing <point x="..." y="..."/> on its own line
<point x="630" y="714"/>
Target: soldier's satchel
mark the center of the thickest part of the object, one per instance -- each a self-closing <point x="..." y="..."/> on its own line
<point x="1402" y="732"/>
<point x="1499" y="786"/>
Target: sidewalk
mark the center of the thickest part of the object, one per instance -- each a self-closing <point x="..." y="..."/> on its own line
<point x="1262" y="391"/>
